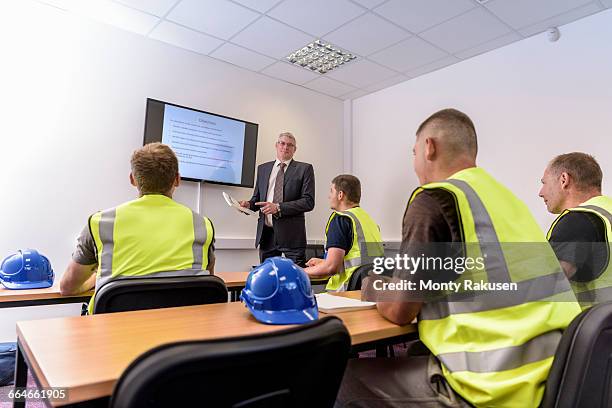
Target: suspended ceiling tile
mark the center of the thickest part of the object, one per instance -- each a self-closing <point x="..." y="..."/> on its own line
<point x="434" y="66"/>
<point x="466" y="31"/>
<point x="561" y="19"/>
<point x="489" y="45"/>
<point x="329" y="87"/>
<point x="242" y="57"/>
<point x="419" y="15"/>
<point x="522" y="13"/>
<point x="361" y="73"/>
<point x="317" y="17"/>
<point x="260" y="5"/>
<point x="156" y="7"/>
<point x="411" y="53"/>
<point x="369" y="3"/>
<point x="269" y="37"/>
<point x="219" y="18"/>
<point x="366" y="35"/>
<point x="387" y="83"/>
<point x="185" y="38"/>
<point x="355" y="94"/>
<point x="290" y="73"/>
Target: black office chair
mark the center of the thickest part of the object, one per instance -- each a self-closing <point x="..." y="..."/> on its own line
<point x="581" y="373"/>
<point x="358" y="275"/>
<point x="314" y="251"/>
<point x="124" y="295"/>
<point x="298" y="367"/>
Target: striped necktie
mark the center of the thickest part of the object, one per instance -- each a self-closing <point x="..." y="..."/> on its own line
<point x="278" y="184"/>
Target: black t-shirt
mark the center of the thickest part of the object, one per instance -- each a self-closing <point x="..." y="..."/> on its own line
<point x="579" y="238"/>
<point x="340" y="233"/>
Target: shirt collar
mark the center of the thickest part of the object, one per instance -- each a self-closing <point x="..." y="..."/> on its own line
<point x="287" y="162"/>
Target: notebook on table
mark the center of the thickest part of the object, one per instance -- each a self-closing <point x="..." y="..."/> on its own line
<point x="333" y="304"/>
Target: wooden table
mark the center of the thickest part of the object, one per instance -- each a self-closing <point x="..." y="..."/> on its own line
<point x="87" y="355"/>
<point x="39" y="297"/>
<point x="51" y="296"/>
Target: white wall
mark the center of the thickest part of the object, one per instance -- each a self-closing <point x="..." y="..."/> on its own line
<point x="529" y="101"/>
<point x="72" y="108"/>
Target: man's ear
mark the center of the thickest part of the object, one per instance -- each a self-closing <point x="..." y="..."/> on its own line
<point x="177" y="180"/>
<point x="430" y="149"/>
<point x="132" y="180"/>
<point x="564" y="180"/>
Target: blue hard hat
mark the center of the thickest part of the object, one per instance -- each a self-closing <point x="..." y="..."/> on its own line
<point x="279" y="292"/>
<point x="26" y="269"/>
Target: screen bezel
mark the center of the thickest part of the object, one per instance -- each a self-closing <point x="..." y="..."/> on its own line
<point x="145" y="141"/>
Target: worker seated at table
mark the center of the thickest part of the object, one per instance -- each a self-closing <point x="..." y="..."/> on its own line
<point x="483" y="348"/>
<point x="352" y="238"/>
<point x="152" y="235"/>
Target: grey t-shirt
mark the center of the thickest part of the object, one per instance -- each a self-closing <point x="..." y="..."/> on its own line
<point x="86" y="253"/>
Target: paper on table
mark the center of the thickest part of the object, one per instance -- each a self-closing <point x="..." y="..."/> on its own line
<point x="333" y="304"/>
<point x="232" y="202"/>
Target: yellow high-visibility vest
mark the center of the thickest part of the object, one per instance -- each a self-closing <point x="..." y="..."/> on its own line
<point x="497" y="350"/>
<point x="367" y="245"/>
<point x="150" y="236"/>
<point x="599" y="289"/>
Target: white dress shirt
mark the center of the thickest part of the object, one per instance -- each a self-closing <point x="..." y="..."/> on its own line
<point x="272" y="183"/>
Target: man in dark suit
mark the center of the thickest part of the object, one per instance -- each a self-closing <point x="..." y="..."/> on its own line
<point x="284" y="191"/>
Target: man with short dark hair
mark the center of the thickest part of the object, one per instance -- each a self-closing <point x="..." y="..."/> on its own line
<point x="352" y="238"/>
<point x="150" y="236"/>
<point x="284" y="192"/>
<point x="487" y="348"/>
<point x="581" y="234"/>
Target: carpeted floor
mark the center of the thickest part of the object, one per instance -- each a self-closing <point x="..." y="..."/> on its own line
<point x="31" y="384"/>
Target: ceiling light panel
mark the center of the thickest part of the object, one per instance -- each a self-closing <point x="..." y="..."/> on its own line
<point x="320" y="56"/>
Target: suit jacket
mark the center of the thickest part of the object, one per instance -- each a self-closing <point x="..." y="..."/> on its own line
<point x="298" y="198"/>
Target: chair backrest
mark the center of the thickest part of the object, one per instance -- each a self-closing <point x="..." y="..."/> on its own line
<point x="298" y="367"/>
<point x="314" y="251"/>
<point x="581" y="373"/>
<point x="354" y="282"/>
<point x="124" y="295"/>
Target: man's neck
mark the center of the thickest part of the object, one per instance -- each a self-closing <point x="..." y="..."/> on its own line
<point x="169" y="195"/>
<point x="343" y="206"/>
<point x="441" y="174"/>
<point x="579" y="197"/>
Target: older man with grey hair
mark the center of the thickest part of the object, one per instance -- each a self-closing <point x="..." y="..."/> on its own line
<point x="284" y="192"/>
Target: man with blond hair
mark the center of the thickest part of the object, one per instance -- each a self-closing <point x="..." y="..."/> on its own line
<point x="581" y="234"/>
<point x="152" y="235"/>
<point x="284" y="192"/>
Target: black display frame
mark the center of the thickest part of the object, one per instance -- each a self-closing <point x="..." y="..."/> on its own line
<point x="150" y="137"/>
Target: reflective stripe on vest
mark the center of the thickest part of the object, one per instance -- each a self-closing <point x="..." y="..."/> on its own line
<point x="530" y="290"/>
<point x="367" y="245"/>
<point x="497" y="269"/>
<point x="599" y="289"/>
<point x="107" y="227"/>
<point x="502" y="359"/>
<point x="496" y="348"/>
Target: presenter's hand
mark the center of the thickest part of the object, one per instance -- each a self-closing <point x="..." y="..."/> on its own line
<point x="314" y="261"/>
<point x="244" y="204"/>
<point x="267" y="207"/>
